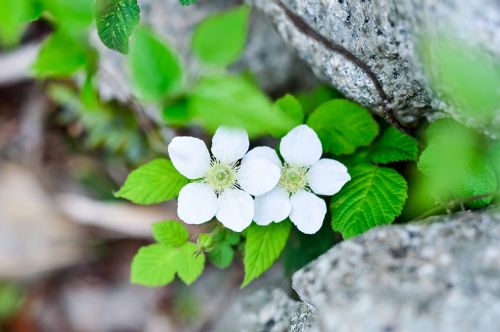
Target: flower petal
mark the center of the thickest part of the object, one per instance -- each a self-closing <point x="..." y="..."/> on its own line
<point x="190" y="156"/>
<point x="197" y="203"/>
<point x="308" y="212"/>
<point x="235" y="209"/>
<point x="327" y="177"/>
<point x="272" y="206"/>
<point x="301" y="147"/>
<point x="229" y="144"/>
<point x="257" y="176"/>
<point x="266" y="153"/>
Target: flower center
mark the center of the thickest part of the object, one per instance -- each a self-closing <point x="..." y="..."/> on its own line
<point x="221" y="176"/>
<point x="293" y="178"/>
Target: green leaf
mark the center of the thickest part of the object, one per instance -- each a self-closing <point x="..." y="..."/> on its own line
<point x="456" y="163"/>
<point x="116" y="20"/>
<point x="61" y="55"/>
<point x="343" y="126"/>
<point x="190" y="263"/>
<point x="154" y="265"/>
<point x="177" y="113"/>
<point x="290" y="106"/>
<point x="480" y="180"/>
<point x="11" y="21"/>
<point x="153" y="183"/>
<point x="374" y="196"/>
<point x="263" y="246"/>
<point x="311" y="100"/>
<point x="220" y="39"/>
<point x="170" y="233"/>
<point x="187" y="2"/>
<point x="221" y="256"/>
<point x="235" y="102"/>
<point x="394" y="146"/>
<point x="154" y="68"/>
<point x="74" y="15"/>
<point x="463" y="74"/>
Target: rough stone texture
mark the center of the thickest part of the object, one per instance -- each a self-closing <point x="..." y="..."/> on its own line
<point x="266" y="55"/>
<point x="384" y="34"/>
<point x="267" y="310"/>
<point x="439" y="277"/>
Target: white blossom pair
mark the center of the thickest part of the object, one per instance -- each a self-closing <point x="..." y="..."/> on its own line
<point x="225" y="183"/>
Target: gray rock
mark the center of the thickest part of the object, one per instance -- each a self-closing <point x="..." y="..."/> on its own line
<point x="266" y="55"/>
<point x="439" y="277"/>
<point x="267" y="310"/>
<point x="385" y="34"/>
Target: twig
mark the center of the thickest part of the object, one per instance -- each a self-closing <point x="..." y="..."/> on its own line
<point x="15" y="65"/>
<point x="450" y="205"/>
<point x="337" y="48"/>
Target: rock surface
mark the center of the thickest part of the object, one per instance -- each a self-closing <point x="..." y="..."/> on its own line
<point x="265" y="51"/>
<point x="439" y="277"/>
<point x="385" y="35"/>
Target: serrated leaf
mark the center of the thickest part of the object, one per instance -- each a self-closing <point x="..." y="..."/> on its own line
<point x="233" y="101"/>
<point x="343" y="126"/>
<point x="394" y="146"/>
<point x="187" y="2"/>
<point x="170" y="233"/>
<point x="153" y="183"/>
<point x="190" y="263"/>
<point x="115" y="21"/>
<point x="374" y="196"/>
<point x="154" y="265"/>
<point x="12" y="24"/>
<point x="221" y="256"/>
<point x="480" y="180"/>
<point x="290" y="106"/>
<point x="74" y="15"/>
<point x="61" y="55"/>
<point x="220" y="39"/>
<point x="456" y="164"/>
<point x="155" y="69"/>
<point x="263" y="246"/>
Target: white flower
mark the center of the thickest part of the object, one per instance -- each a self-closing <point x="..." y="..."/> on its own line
<point x="223" y="185"/>
<point x="302" y="171"/>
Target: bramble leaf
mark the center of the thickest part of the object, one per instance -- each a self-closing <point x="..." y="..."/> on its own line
<point x="456" y="164"/>
<point x="115" y="21"/>
<point x="170" y="233"/>
<point x="154" y="68"/>
<point x="221" y="256"/>
<point x="263" y="246"/>
<point x="343" y="126"/>
<point x="220" y="39"/>
<point x="233" y="101"/>
<point x="190" y="263"/>
<point x="61" y="55"/>
<point x="374" y="196"/>
<point x="394" y="146"/>
<point x="290" y="106"/>
<point x="153" y="183"/>
<point x="154" y="265"/>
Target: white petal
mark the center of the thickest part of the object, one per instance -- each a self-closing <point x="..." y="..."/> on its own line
<point x="229" y="144"/>
<point x="197" y="203"/>
<point x="327" y="177"/>
<point x="272" y="206"/>
<point x="235" y="209"/>
<point x="266" y="153"/>
<point x="190" y="156"/>
<point x="257" y="176"/>
<point x="308" y="212"/>
<point x="301" y="147"/>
